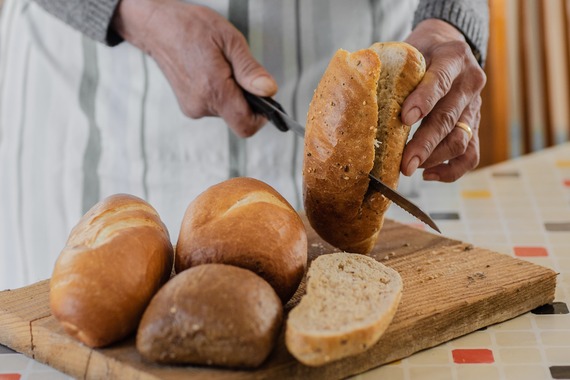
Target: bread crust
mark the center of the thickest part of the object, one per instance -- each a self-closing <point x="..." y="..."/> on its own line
<point x="115" y="259"/>
<point x="346" y="119"/>
<point x="246" y="223"/>
<point x="212" y="314"/>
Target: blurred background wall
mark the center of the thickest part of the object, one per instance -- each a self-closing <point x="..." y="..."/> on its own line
<point x="526" y="101"/>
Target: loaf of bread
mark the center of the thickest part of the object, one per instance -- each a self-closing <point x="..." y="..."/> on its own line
<point x="350" y="301"/>
<point x="116" y="258"/>
<point x="246" y="223"/>
<point x="354" y="128"/>
<point x="212" y="314"/>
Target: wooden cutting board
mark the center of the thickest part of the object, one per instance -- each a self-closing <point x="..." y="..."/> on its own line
<point x="450" y="289"/>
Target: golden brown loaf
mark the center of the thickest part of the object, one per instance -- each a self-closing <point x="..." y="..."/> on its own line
<point x="212" y="314"/>
<point x="116" y="258"/>
<point x="246" y="223"/>
<point x="354" y="128"/>
<point x="350" y="301"/>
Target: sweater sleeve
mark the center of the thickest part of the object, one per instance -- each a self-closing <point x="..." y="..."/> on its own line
<point x="471" y="17"/>
<point x="90" y="17"/>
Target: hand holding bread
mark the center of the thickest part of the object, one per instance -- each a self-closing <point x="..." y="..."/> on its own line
<point x="450" y="93"/>
<point x="354" y="128"/>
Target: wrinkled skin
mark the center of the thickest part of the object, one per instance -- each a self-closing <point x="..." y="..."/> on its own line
<point x="450" y="92"/>
<point x="206" y="60"/>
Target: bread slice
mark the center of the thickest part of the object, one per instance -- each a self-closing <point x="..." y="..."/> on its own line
<point x="350" y="301"/>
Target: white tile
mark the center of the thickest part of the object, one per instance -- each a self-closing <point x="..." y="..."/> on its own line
<point x="13" y="362"/>
<point x="526" y="372"/>
<point x="477" y="372"/>
<point x="527" y="355"/>
<point x="558" y="355"/>
<point x="515" y="339"/>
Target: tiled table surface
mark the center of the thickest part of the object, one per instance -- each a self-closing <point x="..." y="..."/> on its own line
<point x="519" y="208"/>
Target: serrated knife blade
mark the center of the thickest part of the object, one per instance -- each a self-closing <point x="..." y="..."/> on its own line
<point x="279" y="118"/>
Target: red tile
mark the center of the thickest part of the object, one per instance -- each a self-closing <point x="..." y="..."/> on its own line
<point x="10" y="376"/>
<point x="567" y="182"/>
<point x="473" y="355"/>
<point x="530" y="251"/>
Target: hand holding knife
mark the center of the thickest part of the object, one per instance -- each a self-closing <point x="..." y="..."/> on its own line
<point x="279" y="118"/>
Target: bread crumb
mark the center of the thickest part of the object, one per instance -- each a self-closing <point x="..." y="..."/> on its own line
<point x="173" y="310"/>
<point x="364" y="103"/>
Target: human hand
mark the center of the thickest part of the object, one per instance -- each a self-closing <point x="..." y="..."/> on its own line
<point x="205" y="58"/>
<point x="450" y="92"/>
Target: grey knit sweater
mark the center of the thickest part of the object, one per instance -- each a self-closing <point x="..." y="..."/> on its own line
<point x="93" y="18"/>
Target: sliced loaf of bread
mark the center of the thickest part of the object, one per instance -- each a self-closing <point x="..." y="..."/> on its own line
<point x="350" y="301"/>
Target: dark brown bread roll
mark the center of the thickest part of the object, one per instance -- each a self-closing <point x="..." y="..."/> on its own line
<point x="115" y="260"/>
<point x="212" y="314"/>
<point x="246" y="223"/>
<point x="354" y="128"/>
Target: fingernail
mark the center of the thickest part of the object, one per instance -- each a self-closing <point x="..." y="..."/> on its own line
<point x="431" y="177"/>
<point x="412" y="116"/>
<point x="265" y="85"/>
<point x="413" y="165"/>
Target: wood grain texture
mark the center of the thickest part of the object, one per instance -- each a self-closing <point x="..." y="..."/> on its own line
<point x="450" y="289"/>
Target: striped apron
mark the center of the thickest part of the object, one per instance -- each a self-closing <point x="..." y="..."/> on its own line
<point x="80" y="121"/>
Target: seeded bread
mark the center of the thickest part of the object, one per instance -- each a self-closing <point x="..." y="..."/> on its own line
<point x="350" y="301"/>
<point x="354" y="128"/>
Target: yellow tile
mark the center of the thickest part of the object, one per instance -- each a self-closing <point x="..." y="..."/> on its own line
<point x="422" y="373"/>
<point x="558" y="355"/>
<point x="563" y="163"/>
<point x="526" y="372"/>
<point x="477" y="372"/>
<point x="519" y="355"/>
<point x="519" y="338"/>
<point x="384" y="372"/>
<point x="476" y="194"/>
<point x="555" y="338"/>
<point x="431" y="356"/>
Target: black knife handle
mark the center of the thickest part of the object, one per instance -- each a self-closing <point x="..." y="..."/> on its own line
<point x="266" y="107"/>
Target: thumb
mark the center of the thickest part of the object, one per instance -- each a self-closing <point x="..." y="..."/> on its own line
<point x="248" y="73"/>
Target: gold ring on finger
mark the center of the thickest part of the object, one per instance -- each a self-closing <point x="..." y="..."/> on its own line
<point x="466" y="128"/>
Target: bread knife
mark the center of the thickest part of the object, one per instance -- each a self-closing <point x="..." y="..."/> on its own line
<point x="279" y="118"/>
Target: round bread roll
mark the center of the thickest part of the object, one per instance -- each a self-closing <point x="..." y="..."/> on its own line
<point x="212" y="314"/>
<point x="115" y="260"/>
<point x="246" y="223"/>
<point x="353" y="129"/>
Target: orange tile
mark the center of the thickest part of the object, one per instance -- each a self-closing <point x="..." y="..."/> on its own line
<point x="530" y="251"/>
<point x="476" y="194"/>
<point x="566" y="182"/>
<point x="10" y="376"/>
<point x="472" y="355"/>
